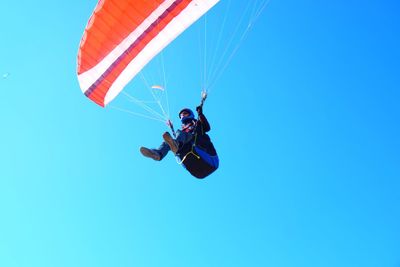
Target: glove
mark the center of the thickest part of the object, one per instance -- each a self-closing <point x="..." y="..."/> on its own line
<point x="199" y="110"/>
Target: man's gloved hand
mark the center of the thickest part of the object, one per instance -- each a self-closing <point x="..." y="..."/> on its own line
<point x="199" y="110"/>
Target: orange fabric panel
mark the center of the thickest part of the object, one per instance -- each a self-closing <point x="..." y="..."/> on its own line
<point x="102" y="41"/>
<point x="109" y="25"/>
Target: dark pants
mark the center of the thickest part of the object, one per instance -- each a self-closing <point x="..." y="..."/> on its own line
<point x="184" y="141"/>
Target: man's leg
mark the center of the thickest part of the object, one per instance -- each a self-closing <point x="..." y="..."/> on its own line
<point x="156" y="154"/>
<point x="172" y="143"/>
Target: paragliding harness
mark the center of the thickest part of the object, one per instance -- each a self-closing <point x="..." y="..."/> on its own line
<point x="197" y="161"/>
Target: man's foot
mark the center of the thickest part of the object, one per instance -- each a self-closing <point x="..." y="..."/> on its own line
<point x="173" y="144"/>
<point x="150" y="153"/>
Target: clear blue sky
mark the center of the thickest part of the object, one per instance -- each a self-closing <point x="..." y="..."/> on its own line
<point x="305" y="120"/>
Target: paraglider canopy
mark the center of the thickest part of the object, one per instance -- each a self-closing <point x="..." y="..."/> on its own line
<point x="123" y="36"/>
<point x="159" y="87"/>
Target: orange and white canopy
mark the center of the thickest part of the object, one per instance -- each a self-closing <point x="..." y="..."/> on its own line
<point x="122" y="36"/>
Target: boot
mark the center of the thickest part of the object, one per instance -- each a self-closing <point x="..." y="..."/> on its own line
<point x="173" y="144"/>
<point x="150" y="153"/>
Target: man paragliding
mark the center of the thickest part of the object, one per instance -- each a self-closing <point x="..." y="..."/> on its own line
<point x="122" y="37"/>
<point x="192" y="145"/>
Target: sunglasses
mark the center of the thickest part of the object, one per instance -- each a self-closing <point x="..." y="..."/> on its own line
<point x="184" y="113"/>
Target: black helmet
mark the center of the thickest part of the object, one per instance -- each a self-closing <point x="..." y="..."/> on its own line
<point x="187" y="118"/>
